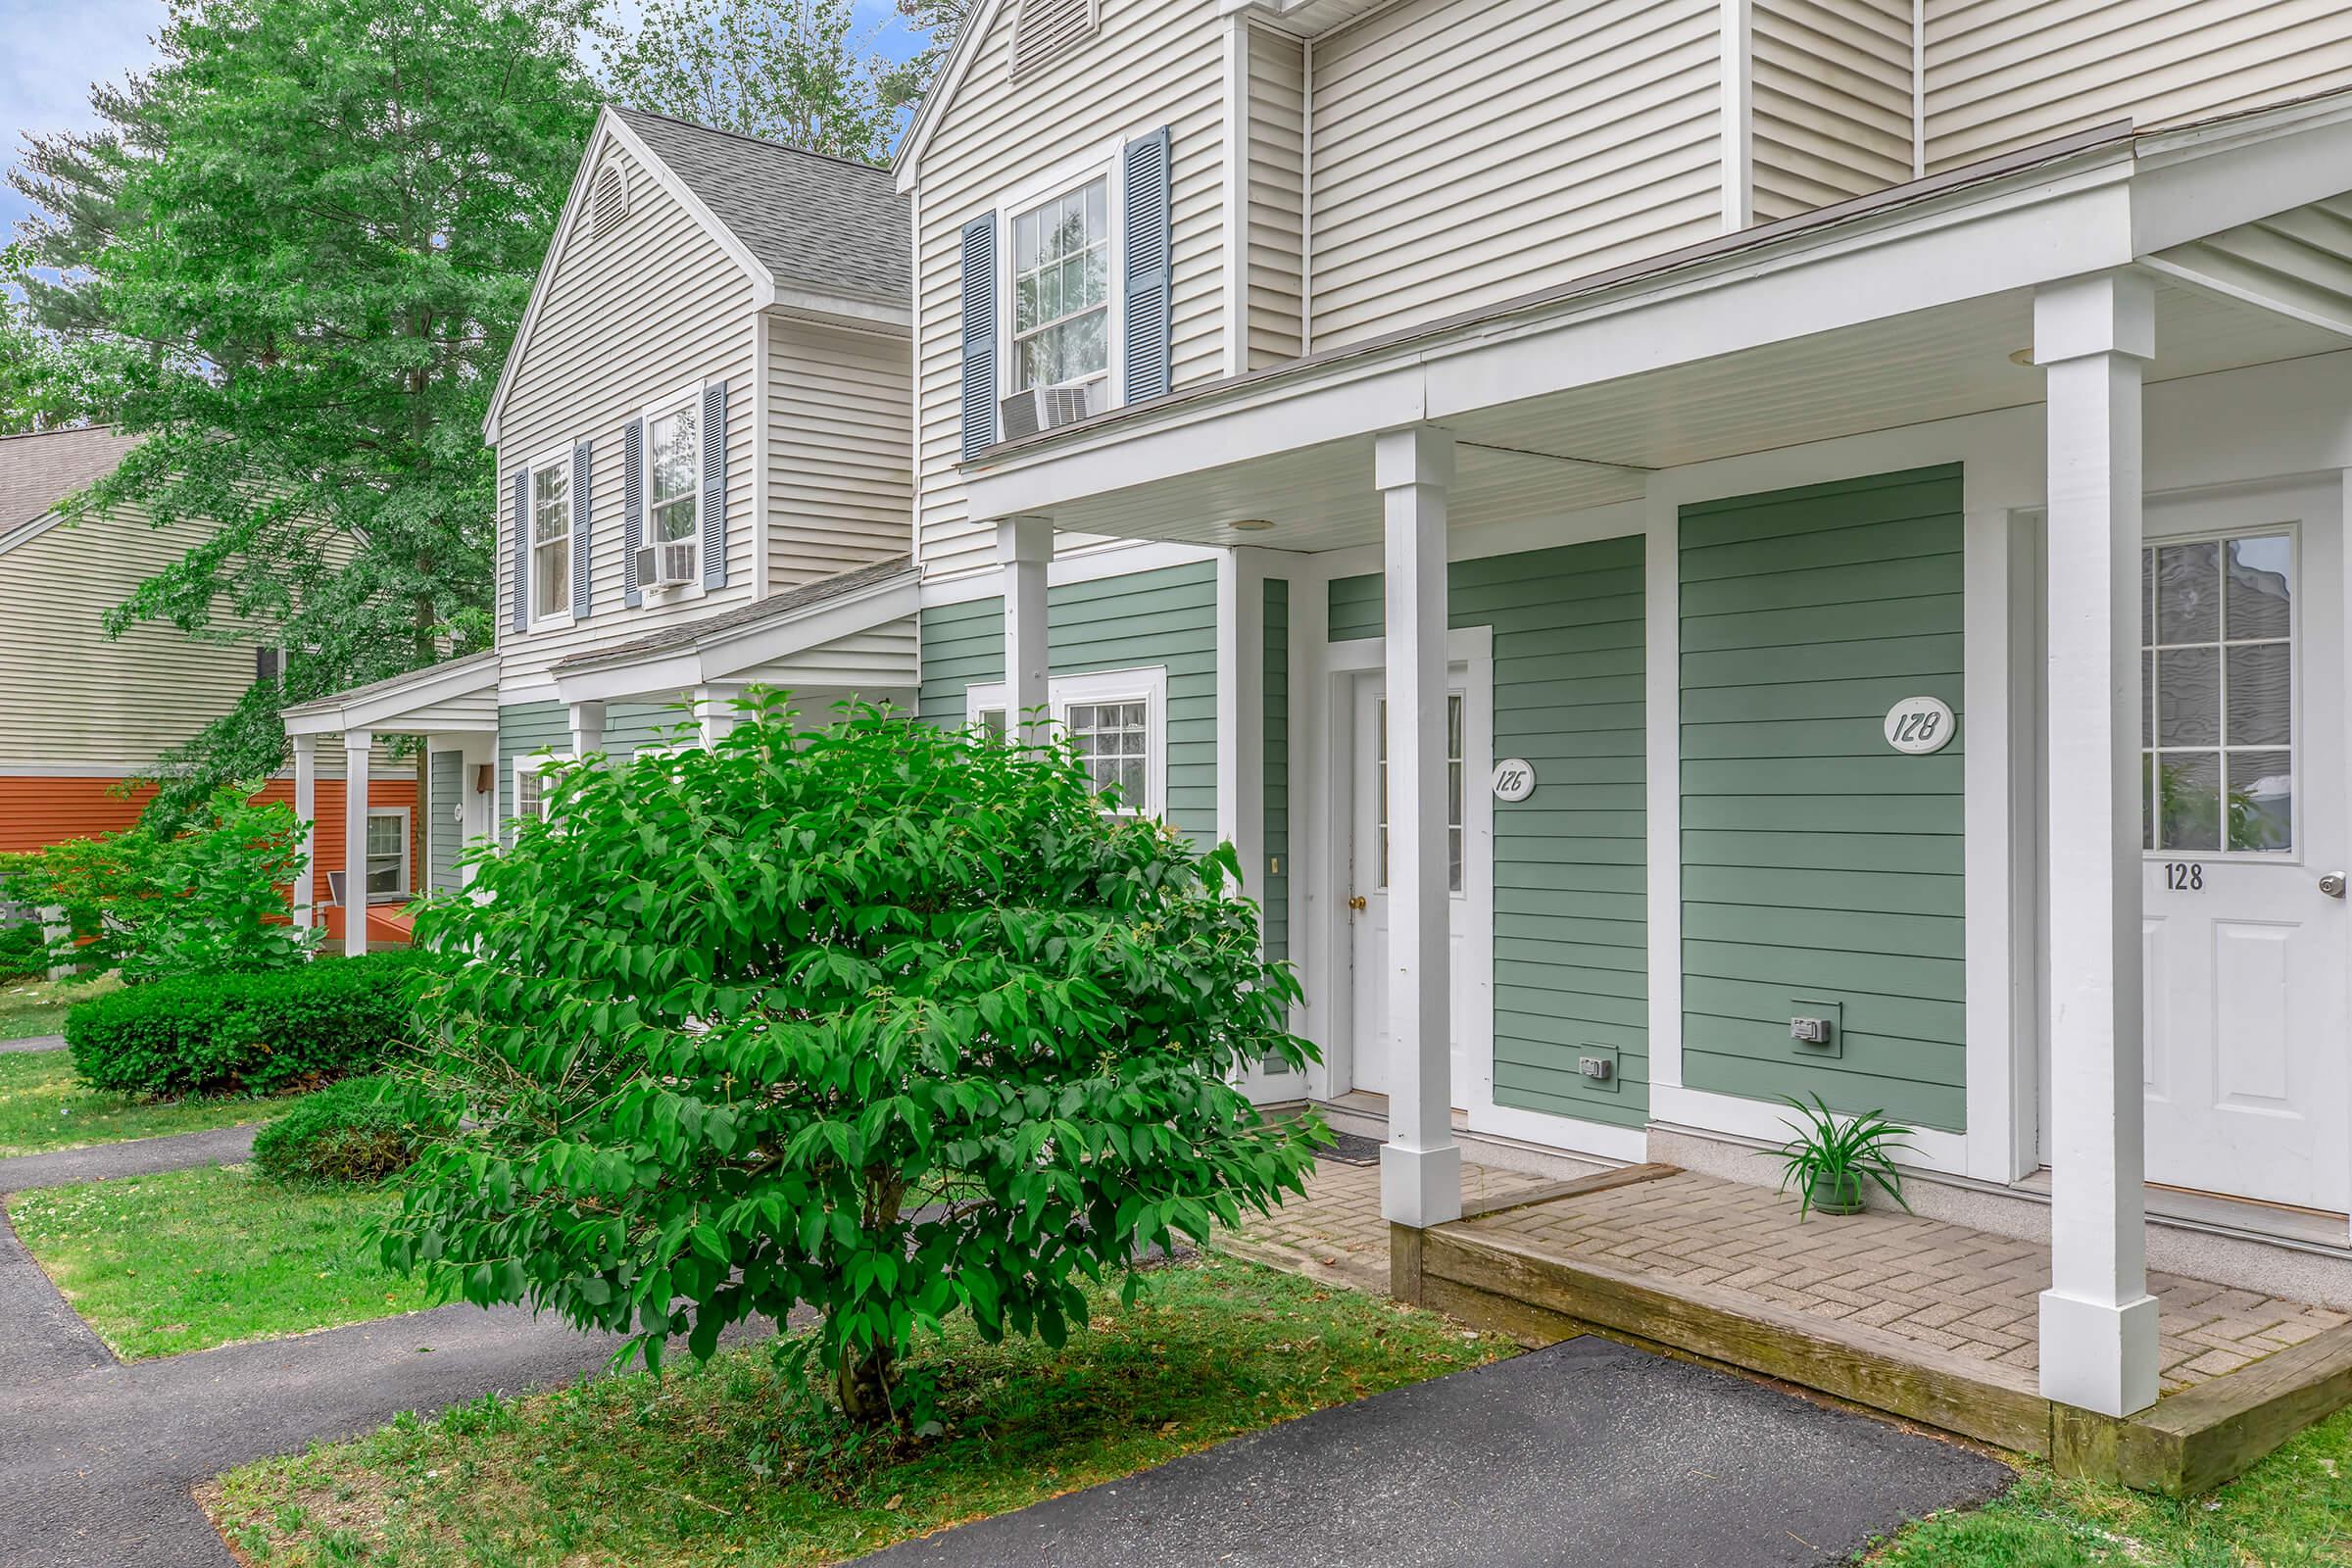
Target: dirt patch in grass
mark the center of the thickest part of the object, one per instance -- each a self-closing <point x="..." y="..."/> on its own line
<point x="729" y="1464"/>
<point x="193" y="1259"/>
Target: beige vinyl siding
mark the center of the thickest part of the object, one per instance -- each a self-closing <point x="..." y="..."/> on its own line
<point x="627" y="317"/>
<point x="1277" y="203"/>
<point x="2004" y="73"/>
<point x="1830" y="93"/>
<point x="878" y="662"/>
<point x="839" y="485"/>
<point x="68" y="694"/>
<point x="1466" y="152"/>
<point x="1152" y="63"/>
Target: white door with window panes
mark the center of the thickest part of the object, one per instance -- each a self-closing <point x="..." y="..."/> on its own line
<point x="2243" y="824"/>
<point x="1368" y="901"/>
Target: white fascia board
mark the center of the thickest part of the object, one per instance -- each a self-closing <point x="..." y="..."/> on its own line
<point x="611" y="125"/>
<point x="1961" y="246"/>
<point x="815" y="627"/>
<point x="841" y="310"/>
<point x="2204" y="180"/>
<point x="906" y="167"/>
<point x="674" y="669"/>
<point x="25" y="533"/>
<point x="432" y="689"/>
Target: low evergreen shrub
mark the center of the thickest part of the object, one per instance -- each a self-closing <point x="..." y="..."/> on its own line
<point x="249" y="1033"/>
<point x="349" y="1135"/>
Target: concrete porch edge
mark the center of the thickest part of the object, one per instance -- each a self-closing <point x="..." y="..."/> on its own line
<point x="2187" y="1443"/>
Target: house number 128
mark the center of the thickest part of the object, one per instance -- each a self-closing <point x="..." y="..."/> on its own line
<point x="2184" y="876"/>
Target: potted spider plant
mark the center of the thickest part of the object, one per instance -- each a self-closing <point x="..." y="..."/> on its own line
<point x="1830" y="1163"/>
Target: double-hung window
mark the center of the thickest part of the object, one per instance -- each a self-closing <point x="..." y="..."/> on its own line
<point x="387" y="853"/>
<point x="550" y="523"/>
<point x="1061" y="294"/>
<point x="674" y="484"/>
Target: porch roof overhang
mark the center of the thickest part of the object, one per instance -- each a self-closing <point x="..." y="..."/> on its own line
<point x="726" y="647"/>
<point x="1909" y="306"/>
<point x="458" y="696"/>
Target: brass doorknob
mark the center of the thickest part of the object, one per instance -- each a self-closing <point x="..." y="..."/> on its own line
<point x="1357" y="904"/>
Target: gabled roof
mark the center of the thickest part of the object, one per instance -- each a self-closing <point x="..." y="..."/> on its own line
<point x="815" y="234"/>
<point x="943" y="88"/>
<point x="38" y="471"/>
<point x="813" y="221"/>
<point x="759" y="612"/>
<point x="455" y="694"/>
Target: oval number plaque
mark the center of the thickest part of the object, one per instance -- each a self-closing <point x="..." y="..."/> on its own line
<point x="1919" y="725"/>
<point x="1514" y="779"/>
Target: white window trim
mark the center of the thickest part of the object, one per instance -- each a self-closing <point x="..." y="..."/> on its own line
<point x="1147" y="685"/>
<point x="406" y="891"/>
<point x="688" y="396"/>
<point x="1061" y="180"/>
<point x="536" y="764"/>
<point x="559" y="458"/>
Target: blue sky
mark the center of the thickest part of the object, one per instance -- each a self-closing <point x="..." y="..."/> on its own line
<point x="57" y="48"/>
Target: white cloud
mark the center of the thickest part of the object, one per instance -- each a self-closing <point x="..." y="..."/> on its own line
<point x="55" y="52"/>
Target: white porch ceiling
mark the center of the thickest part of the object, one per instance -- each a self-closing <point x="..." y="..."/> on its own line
<point x="1591" y="446"/>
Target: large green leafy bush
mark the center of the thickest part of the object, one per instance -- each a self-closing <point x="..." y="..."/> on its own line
<point x="882" y="1019"/>
<point x="353" y="1134"/>
<point x="252" y="1033"/>
<point x="208" y="899"/>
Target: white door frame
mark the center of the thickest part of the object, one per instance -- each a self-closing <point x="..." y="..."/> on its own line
<point x="1473" y="649"/>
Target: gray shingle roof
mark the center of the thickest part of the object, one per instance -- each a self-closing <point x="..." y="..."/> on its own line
<point x="814" y="221"/>
<point x="774" y="606"/>
<point x="37" y="471"/>
<point x="486" y="661"/>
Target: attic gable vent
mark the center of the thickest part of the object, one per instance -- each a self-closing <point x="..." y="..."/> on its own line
<point x="1044" y="29"/>
<point x="608" y="207"/>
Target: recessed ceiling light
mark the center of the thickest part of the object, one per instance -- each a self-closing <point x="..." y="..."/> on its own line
<point x="1249" y="525"/>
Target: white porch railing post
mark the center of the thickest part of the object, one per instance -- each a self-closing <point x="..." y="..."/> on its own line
<point x="357" y="745"/>
<point x="1421" y="1165"/>
<point x="1025" y="550"/>
<point x="302" y="898"/>
<point x="2098" y="1322"/>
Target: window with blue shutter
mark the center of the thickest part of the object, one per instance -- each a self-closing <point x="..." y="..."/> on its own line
<point x="1149" y="268"/>
<point x="632" y="508"/>
<point x="582" y="493"/>
<point x="715" y="485"/>
<point x="979" y="335"/>
<point x="521" y="616"/>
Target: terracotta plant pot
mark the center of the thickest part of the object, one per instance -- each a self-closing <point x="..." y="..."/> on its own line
<point x="1837" y="1193"/>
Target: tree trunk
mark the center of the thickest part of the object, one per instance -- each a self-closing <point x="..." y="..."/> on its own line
<point x="866" y="1384"/>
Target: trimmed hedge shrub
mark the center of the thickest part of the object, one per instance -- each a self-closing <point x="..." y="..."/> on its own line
<point x="340" y="1136"/>
<point x="250" y="1033"/>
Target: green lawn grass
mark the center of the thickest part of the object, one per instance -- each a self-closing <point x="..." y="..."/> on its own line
<point x="2292" y="1510"/>
<point x="719" y="1466"/>
<point x="44" y="1106"/>
<point x="192" y="1259"/>
<point x="29" y="1007"/>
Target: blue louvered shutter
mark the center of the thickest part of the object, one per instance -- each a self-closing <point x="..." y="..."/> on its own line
<point x="979" y="335"/>
<point x="1149" y="268"/>
<point x="715" y="485"/>
<point x="583" y="554"/>
<point x="632" y="508"/>
<point x="522" y="597"/>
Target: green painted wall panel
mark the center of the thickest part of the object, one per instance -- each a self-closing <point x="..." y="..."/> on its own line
<point x="523" y="729"/>
<point x="1273" y="880"/>
<point x="1817" y="862"/>
<point x="1570" y="887"/>
<point x="1166" y="618"/>
<point x="444" y="839"/>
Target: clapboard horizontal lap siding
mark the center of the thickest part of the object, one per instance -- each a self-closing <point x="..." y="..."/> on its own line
<point x="1165" y="619"/>
<point x="1817" y="862"/>
<point x="840" y="480"/>
<point x="1571" y="916"/>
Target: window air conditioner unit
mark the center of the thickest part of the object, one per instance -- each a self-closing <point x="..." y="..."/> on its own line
<point x="1040" y="408"/>
<point x="662" y="566"/>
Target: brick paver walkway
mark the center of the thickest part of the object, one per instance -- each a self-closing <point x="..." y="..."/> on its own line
<point x="1963" y="1290"/>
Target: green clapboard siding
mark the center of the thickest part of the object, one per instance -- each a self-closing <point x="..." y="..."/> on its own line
<point x="1164" y="617"/>
<point x="442" y="834"/>
<point x="1818" y="862"/>
<point x="523" y="729"/>
<point x="1275" y="889"/>
<point x="1571" y="965"/>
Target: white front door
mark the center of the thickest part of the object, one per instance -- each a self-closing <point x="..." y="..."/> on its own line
<point x="2243" y="805"/>
<point x="1368" y="901"/>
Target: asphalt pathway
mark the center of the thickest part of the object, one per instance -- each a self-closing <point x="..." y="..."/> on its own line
<point x="33" y="1042"/>
<point x="136" y="1156"/>
<point x="1581" y="1456"/>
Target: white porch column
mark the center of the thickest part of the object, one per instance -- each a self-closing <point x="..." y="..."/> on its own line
<point x="300" y="897"/>
<point x="587" y="728"/>
<point x="357" y="744"/>
<point x="1025" y="549"/>
<point x="1421" y="1165"/>
<point x="714" y="712"/>
<point x="2098" y="1322"/>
